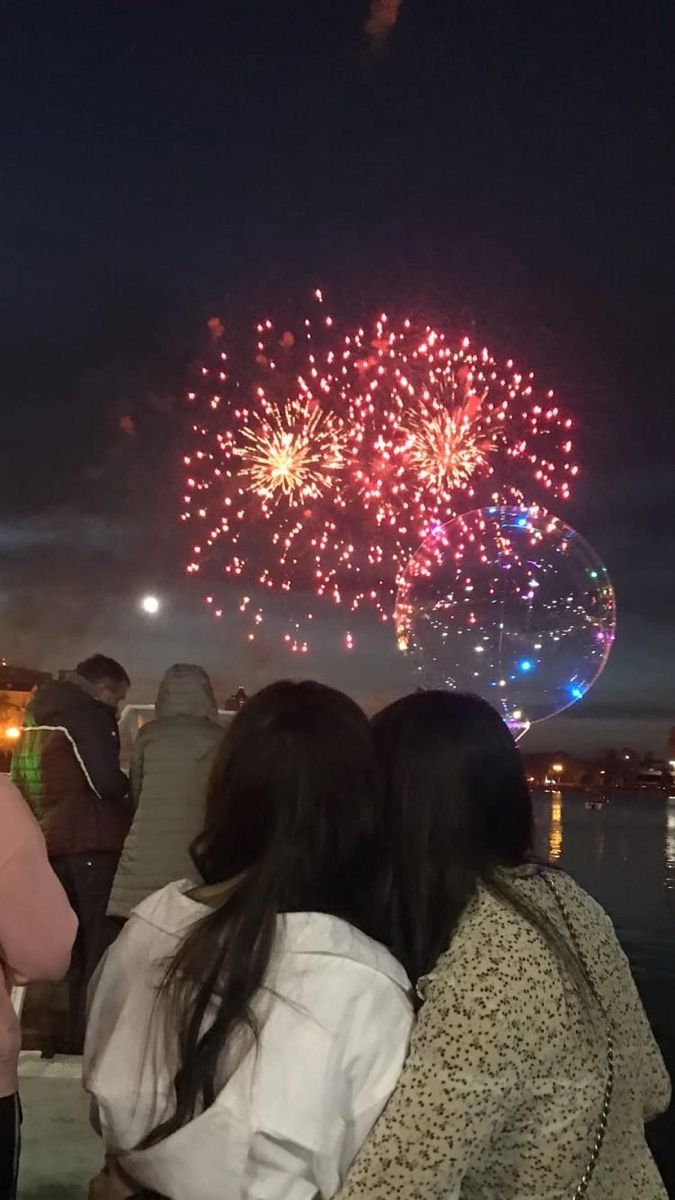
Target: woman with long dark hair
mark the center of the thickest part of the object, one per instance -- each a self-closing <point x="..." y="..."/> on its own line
<point x="532" y="1068"/>
<point x="244" y="1035"/>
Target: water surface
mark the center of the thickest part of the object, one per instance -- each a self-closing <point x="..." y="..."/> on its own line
<point x="624" y="855"/>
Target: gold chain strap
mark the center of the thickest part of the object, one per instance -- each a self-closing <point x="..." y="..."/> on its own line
<point x="609" y="1085"/>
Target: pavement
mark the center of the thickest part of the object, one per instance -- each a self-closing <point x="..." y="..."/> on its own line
<point x="60" y="1150"/>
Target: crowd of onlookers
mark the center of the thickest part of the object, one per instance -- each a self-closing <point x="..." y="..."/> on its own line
<point x="314" y="954"/>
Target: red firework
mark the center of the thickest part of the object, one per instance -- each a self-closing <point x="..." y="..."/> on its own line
<point x="320" y="465"/>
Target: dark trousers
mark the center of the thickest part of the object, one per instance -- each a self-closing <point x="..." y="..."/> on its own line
<point x="87" y="880"/>
<point x="10" y="1145"/>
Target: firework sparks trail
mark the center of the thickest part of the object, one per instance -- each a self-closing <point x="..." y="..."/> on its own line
<point x="319" y="465"/>
<point x="382" y="17"/>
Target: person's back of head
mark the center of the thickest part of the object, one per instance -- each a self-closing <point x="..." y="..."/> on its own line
<point x="458" y="809"/>
<point x="108" y="679"/>
<point x="292" y="815"/>
<point x="186" y="690"/>
<point x="292" y="797"/>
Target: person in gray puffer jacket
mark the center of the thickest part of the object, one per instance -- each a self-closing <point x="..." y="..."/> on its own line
<point x="169" y="768"/>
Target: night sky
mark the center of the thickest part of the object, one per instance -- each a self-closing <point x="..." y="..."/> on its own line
<point x="506" y="168"/>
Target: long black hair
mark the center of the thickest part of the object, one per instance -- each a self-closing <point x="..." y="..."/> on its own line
<point x="293" y="814"/>
<point x="458" y="810"/>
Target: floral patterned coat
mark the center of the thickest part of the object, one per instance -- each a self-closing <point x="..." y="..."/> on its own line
<point x="503" y="1089"/>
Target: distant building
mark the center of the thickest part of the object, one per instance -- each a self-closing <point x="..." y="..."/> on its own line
<point x="555" y="769"/>
<point x="611" y="771"/>
<point x="17" y="685"/>
<point x="671" y="751"/>
<point x="653" y="773"/>
<point x="21" y="679"/>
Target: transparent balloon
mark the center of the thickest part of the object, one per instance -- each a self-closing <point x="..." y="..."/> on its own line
<point x="509" y="603"/>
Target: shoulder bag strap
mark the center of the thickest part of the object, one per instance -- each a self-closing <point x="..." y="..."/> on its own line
<point x="609" y="1085"/>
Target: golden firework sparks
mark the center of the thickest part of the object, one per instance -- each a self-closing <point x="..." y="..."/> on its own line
<point x="294" y="450"/>
<point x="444" y="447"/>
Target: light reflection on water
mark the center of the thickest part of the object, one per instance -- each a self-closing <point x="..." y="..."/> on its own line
<point x="555" y="831"/>
<point x="623" y="854"/>
<point x="670" y="845"/>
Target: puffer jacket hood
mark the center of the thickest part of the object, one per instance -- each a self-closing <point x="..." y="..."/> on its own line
<point x="58" y="699"/>
<point x="186" y="691"/>
<point x="170" y="764"/>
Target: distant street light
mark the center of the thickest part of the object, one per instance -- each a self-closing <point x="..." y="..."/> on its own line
<point x="150" y="605"/>
<point x="557" y="768"/>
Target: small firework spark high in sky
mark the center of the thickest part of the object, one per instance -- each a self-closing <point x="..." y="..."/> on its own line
<point x="319" y="465"/>
<point x="382" y="17"/>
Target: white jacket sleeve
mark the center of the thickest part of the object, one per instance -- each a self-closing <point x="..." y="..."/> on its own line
<point x="357" y="1076"/>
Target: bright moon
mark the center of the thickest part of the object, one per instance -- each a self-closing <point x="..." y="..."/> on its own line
<point x="150" y="605"/>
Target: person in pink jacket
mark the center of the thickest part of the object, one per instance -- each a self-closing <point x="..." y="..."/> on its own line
<point x="37" y="931"/>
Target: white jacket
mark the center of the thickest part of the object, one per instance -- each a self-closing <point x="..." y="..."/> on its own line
<point x="291" y="1114"/>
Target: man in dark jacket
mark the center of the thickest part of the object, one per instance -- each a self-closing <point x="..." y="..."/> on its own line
<point x="67" y="767"/>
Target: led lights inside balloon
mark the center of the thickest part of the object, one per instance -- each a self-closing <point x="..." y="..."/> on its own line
<point x="510" y="603"/>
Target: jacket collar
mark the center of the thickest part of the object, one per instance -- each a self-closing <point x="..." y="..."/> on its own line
<point x="173" y="910"/>
<point x="88" y="688"/>
<point x="319" y="933"/>
<point x="83" y="684"/>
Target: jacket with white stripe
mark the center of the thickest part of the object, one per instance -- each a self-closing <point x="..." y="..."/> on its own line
<point x="67" y="768"/>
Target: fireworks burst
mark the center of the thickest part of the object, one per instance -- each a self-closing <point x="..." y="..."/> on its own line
<point x="322" y="462"/>
<point x="443" y="451"/>
<point x="445" y="444"/>
<point x="292" y="451"/>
